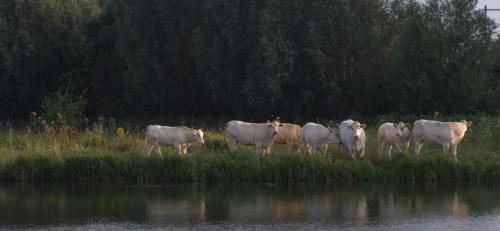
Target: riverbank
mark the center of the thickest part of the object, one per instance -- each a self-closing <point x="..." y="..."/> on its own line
<point x="212" y="167"/>
<point x="103" y="152"/>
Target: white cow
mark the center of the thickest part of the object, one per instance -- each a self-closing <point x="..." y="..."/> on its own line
<point x="180" y="137"/>
<point x="318" y="137"/>
<point x="352" y="135"/>
<point x="259" y="134"/>
<point x="446" y="134"/>
<point x="397" y="134"/>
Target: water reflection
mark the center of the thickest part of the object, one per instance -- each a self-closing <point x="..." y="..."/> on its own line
<point x="243" y="204"/>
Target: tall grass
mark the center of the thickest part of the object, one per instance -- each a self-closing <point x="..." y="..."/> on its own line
<point x="101" y="152"/>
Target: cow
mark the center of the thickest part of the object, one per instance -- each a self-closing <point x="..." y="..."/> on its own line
<point x="397" y="134"/>
<point x="259" y="134"/>
<point x="180" y="137"/>
<point x="352" y="136"/>
<point x="446" y="134"/>
<point x="318" y="137"/>
<point x="289" y="134"/>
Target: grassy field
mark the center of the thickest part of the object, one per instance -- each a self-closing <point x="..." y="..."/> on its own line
<point x="102" y="152"/>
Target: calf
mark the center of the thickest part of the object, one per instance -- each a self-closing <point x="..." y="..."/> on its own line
<point x="397" y="134"/>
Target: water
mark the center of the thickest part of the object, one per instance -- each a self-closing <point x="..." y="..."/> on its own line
<point x="249" y="207"/>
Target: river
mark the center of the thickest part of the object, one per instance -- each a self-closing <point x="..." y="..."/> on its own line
<point x="249" y="207"/>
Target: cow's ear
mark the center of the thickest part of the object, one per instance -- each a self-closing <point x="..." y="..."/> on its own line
<point x="408" y="125"/>
<point x="362" y="125"/>
<point x="395" y="125"/>
<point x="280" y="125"/>
<point x="469" y="123"/>
<point x="269" y="125"/>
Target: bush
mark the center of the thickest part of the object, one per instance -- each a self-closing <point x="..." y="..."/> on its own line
<point x="64" y="103"/>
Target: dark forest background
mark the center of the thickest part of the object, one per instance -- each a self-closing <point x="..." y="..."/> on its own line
<point x="247" y="58"/>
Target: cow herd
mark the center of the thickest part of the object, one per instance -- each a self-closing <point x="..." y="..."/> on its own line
<point x="313" y="137"/>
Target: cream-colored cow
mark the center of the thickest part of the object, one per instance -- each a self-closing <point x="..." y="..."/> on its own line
<point x="397" y="134"/>
<point x="180" y="137"/>
<point x="289" y="134"/>
<point x="446" y="134"/>
<point x="259" y="134"/>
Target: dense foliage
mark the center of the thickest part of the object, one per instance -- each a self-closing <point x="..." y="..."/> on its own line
<point x="249" y="58"/>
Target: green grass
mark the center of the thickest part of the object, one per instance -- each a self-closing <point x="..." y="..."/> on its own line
<point x="59" y="153"/>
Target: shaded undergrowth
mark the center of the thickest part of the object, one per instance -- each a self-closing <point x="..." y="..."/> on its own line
<point x="246" y="167"/>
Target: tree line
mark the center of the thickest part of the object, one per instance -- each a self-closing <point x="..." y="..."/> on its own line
<point x="247" y="58"/>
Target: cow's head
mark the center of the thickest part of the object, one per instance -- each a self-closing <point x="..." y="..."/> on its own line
<point x="468" y="124"/>
<point x="198" y="134"/>
<point x="333" y="136"/>
<point x="358" y="130"/>
<point x="275" y="126"/>
<point x="400" y="128"/>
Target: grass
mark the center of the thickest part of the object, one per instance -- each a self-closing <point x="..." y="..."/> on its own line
<point x="57" y="152"/>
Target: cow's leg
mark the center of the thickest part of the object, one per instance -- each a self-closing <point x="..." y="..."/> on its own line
<point x="266" y="150"/>
<point x="446" y="148"/>
<point x="325" y="148"/>
<point x="353" y="153"/>
<point x="418" y="145"/>
<point x="307" y="149"/>
<point x="178" y="148"/>
<point x="295" y="147"/>
<point x="232" y="145"/>
<point x="150" y="148"/>
<point x="380" y="148"/>
<point x="258" y="149"/>
<point x="156" y="145"/>
<point x="303" y="145"/>
<point x="314" y="149"/>
<point x="389" y="149"/>
<point x="289" y="147"/>
<point x="184" y="149"/>
<point x="454" y="151"/>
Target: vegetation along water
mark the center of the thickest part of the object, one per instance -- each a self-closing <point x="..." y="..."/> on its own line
<point x="57" y="152"/>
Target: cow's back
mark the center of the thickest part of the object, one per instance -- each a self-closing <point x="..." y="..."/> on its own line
<point x="387" y="132"/>
<point x="288" y="133"/>
<point x="166" y="134"/>
<point x="431" y="131"/>
<point x="248" y="133"/>
<point x="314" y="133"/>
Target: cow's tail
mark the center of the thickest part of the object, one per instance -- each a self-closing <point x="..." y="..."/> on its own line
<point x="146" y="139"/>
<point x="224" y="133"/>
